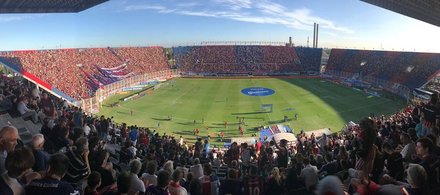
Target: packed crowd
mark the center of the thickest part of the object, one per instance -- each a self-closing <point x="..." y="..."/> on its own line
<point x="82" y="154"/>
<point x="75" y="71"/>
<point x="309" y="58"/>
<point x="408" y="68"/>
<point x="245" y="59"/>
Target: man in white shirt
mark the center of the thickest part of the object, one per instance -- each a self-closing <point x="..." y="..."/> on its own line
<point x="196" y="169"/>
<point x="322" y="142"/>
<point x="309" y="174"/>
<point x="25" y="111"/>
<point x="136" y="186"/>
<point x="149" y="178"/>
<point x="409" y="147"/>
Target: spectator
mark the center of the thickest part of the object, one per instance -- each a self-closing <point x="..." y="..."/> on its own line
<point x="41" y="156"/>
<point x="93" y="182"/>
<point x="309" y="175"/>
<point x="8" y="141"/>
<point x="282" y="153"/>
<point x="252" y="184"/>
<point x="104" y="168"/>
<point x="79" y="167"/>
<point x="195" y="187"/>
<point x="231" y="185"/>
<point x="133" y="135"/>
<point x="393" y="161"/>
<point x="424" y="149"/>
<point x="149" y="178"/>
<point x="137" y="186"/>
<point x="103" y="128"/>
<point x="51" y="184"/>
<point x="331" y="167"/>
<point x="168" y="167"/>
<point x="330" y="185"/>
<point x="417" y="179"/>
<point x="124" y="183"/>
<point x="163" y="180"/>
<point x="174" y="186"/>
<point x="25" y="112"/>
<point x="196" y="169"/>
<point x="245" y="158"/>
<point x="409" y="148"/>
<point x="17" y="164"/>
<point x="210" y="182"/>
<point x="275" y="183"/>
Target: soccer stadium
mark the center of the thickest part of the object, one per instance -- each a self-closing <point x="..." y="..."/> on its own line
<point x="93" y="113"/>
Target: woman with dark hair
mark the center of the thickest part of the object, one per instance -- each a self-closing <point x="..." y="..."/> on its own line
<point x="365" y="156"/>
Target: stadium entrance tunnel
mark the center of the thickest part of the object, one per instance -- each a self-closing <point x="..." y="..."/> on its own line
<point x="257" y="91"/>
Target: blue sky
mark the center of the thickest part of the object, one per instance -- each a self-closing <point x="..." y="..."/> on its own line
<point x="343" y="24"/>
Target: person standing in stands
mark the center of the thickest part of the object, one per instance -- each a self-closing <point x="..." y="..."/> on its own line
<point x="103" y="128"/>
<point x="253" y="184"/>
<point x="52" y="184"/>
<point x="210" y="182"/>
<point x="79" y="167"/>
<point x="431" y="115"/>
<point x="174" y="187"/>
<point x="282" y="157"/>
<point x="133" y="135"/>
<point x="231" y="185"/>
<point x="8" y="140"/>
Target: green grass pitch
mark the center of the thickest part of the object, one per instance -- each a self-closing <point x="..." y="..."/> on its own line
<point x="318" y="103"/>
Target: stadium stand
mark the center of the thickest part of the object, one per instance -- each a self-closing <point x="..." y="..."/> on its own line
<point x="410" y="69"/>
<point x="80" y="72"/>
<point x="242" y="59"/>
<point x="309" y="58"/>
<point x="367" y="158"/>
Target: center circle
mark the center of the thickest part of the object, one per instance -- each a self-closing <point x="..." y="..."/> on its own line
<point x="257" y="91"/>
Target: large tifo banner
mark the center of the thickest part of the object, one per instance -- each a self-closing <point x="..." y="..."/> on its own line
<point x="274" y="129"/>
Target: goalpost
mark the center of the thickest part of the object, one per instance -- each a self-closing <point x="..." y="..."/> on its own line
<point x="266" y="107"/>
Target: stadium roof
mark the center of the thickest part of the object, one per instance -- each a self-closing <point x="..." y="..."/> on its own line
<point x="424" y="10"/>
<point x="46" y="6"/>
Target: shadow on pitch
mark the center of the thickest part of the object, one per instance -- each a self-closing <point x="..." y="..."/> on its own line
<point x="248" y="113"/>
<point x="186" y="123"/>
<point x="161" y="119"/>
<point x="119" y="112"/>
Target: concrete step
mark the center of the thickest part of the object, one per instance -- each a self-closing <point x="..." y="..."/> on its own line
<point x="22" y="130"/>
<point x="26" y="138"/>
<point x="33" y="128"/>
<point x="6" y="116"/>
<point x="18" y="122"/>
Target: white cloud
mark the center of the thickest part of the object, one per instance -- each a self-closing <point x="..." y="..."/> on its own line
<point x="8" y="18"/>
<point x="235" y="4"/>
<point x="253" y="11"/>
<point x="158" y="8"/>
